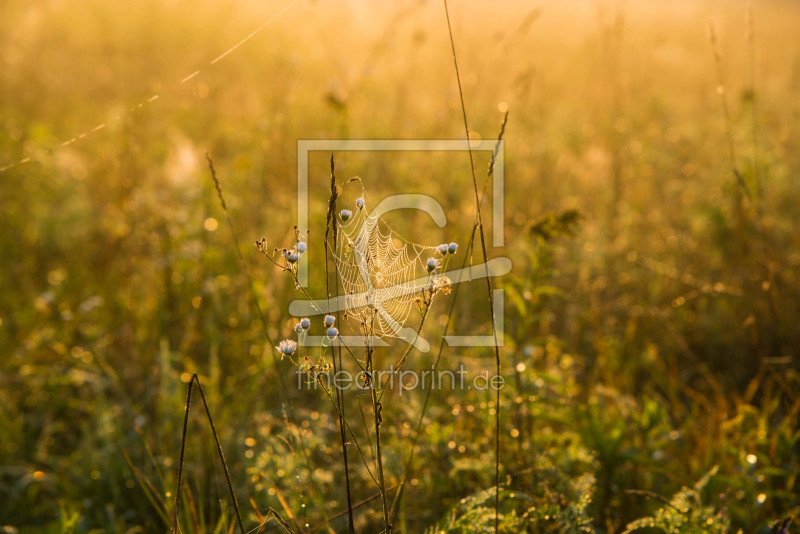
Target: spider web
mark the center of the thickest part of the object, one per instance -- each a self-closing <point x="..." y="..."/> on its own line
<point x="382" y="274"/>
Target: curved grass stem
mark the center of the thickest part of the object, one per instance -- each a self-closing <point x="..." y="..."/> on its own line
<point x="488" y="280"/>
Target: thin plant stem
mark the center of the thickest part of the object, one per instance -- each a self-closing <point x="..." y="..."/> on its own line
<point x="712" y="34"/>
<point x="376" y="412"/>
<point x="180" y="459"/>
<point x="152" y="494"/>
<point x="303" y="290"/>
<point x="192" y="381"/>
<point x="488" y="280"/>
<point x="369" y="330"/>
<point x="353" y="434"/>
<point x="245" y="270"/>
<point x="331" y="225"/>
<point x="219" y="451"/>
<point x="365" y="427"/>
<point x="751" y="45"/>
<point x="655" y="496"/>
<point x="273" y="514"/>
<point x="490" y="172"/>
<point x="406" y="352"/>
<point x="418" y="429"/>
<point x="359" y="504"/>
<point x="261" y="317"/>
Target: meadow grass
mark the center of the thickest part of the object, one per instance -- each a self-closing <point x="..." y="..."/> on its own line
<point x="651" y="313"/>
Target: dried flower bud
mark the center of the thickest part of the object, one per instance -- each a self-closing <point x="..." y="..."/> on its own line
<point x="292" y="256"/>
<point x="287" y="347"/>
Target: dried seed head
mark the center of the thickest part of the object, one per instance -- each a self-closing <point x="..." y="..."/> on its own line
<point x="345" y="214"/>
<point x="305" y="322"/>
<point x="287" y="347"/>
<point x="452" y="248"/>
<point x="360" y="203"/>
<point x="332" y="332"/>
<point x="442" y="249"/>
<point x="292" y="256"/>
<point x="443" y="284"/>
<point x="329" y="320"/>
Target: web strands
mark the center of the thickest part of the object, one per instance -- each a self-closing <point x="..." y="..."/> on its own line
<point x="379" y="271"/>
<point x="88" y="132"/>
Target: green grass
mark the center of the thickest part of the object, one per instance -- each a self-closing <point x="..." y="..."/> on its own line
<point x="651" y="313"/>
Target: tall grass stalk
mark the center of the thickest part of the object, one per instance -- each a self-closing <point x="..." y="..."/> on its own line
<point x="331" y="241"/>
<point x="377" y="408"/>
<point x="712" y="34"/>
<point x="331" y="225"/>
<point x="265" y="332"/>
<point x="418" y="428"/>
<point x="250" y="284"/>
<point x="468" y="250"/>
<point x="479" y="222"/>
<point x="751" y="48"/>
<point x="192" y="381"/>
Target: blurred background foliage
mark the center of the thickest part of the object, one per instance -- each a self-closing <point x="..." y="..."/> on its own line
<point x="651" y="317"/>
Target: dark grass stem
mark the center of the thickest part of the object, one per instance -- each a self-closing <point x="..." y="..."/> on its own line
<point x="467" y="255"/>
<point x="490" y="172"/>
<point x="359" y="504"/>
<point x="488" y="279"/>
<point x="333" y="402"/>
<point x="192" y="381"/>
<point x="352" y="433"/>
<point x="330" y="227"/>
<point x="273" y="514"/>
<point x="404" y="356"/>
<point x="369" y="353"/>
<point x="235" y="238"/>
<point x="254" y="296"/>
<point x="251" y="285"/>
<point x="418" y="430"/>
<point x="377" y="408"/>
<point x="376" y="411"/>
